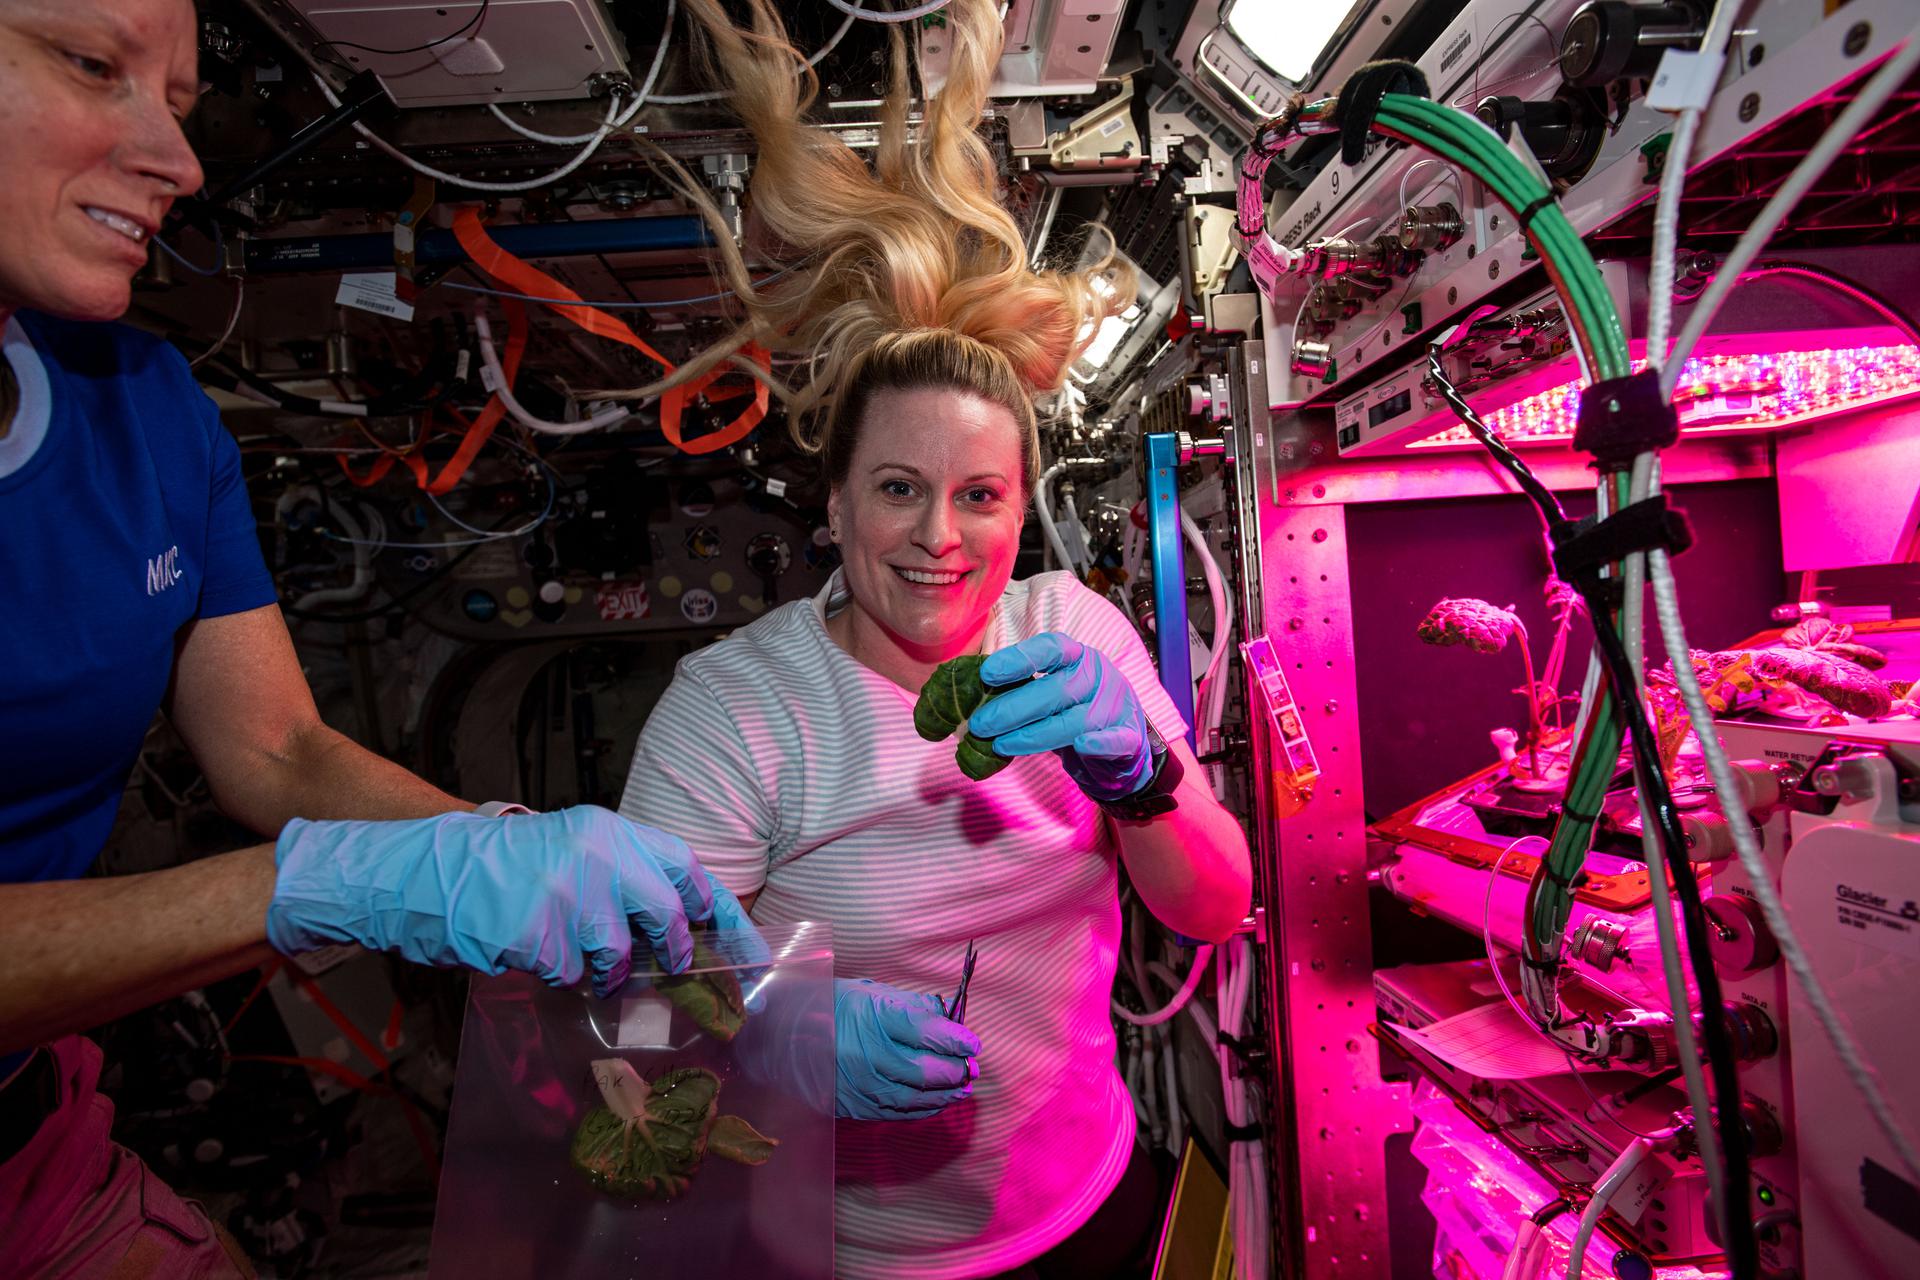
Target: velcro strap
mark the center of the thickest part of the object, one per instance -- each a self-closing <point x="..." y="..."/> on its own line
<point x="1621" y="418"/>
<point x="1359" y="101"/>
<point x="1580" y="548"/>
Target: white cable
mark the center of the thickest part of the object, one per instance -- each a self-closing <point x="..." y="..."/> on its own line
<point x="1603" y="1192"/>
<point x="1246" y="1170"/>
<point x="903" y="15"/>
<point x="714" y="95"/>
<point x="1201" y="955"/>
<point x="1727" y="789"/>
<point x="1632" y="628"/>
<point x="1216" y="589"/>
<point x="615" y="119"/>
<point x="1210" y="707"/>
<point x="1673" y="181"/>
<point x="1666" y="233"/>
<point x="1529" y="1249"/>
<point x="646" y="91"/>
<point x="1080" y="536"/>
<point x="497" y="376"/>
<point x="363" y="548"/>
<point x="1451" y="175"/>
<point x="1044" y="504"/>
<point x="233" y="318"/>
<point x="1822" y="154"/>
<point x="1176" y="1114"/>
<point x="1150" y="1091"/>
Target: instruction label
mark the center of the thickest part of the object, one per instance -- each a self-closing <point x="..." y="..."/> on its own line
<point x="1878" y="920"/>
<point x="372" y="291"/>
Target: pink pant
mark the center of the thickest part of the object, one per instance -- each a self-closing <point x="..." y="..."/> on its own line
<point x="75" y="1205"/>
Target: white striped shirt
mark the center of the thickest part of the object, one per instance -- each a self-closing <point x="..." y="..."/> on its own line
<point x="794" y="770"/>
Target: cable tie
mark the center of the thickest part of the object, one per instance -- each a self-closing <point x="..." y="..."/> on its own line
<point x="1575" y="814"/>
<point x="1532" y="211"/>
<point x="1244" y="1133"/>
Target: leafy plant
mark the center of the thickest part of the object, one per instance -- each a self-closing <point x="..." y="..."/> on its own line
<point x="951" y="694"/>
<point x="1485" y="628"/>
<point x="649" y="1138"/>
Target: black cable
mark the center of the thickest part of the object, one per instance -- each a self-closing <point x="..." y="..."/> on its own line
<point x="1743" y="1250"/>
<point x="1542" y="496"/>
<point x="230" y="376"/>
<point x="470" y="24"/>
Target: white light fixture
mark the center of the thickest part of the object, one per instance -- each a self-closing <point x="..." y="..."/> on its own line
<point x="1287" y="37"/>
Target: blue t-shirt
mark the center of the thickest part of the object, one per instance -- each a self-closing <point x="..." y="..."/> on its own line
<point x="123" y="517"/>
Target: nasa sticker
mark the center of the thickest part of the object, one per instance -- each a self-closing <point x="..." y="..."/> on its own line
<point x="699" y="605"/>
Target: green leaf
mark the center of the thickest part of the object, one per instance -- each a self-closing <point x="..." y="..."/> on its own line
<point x="951" y="694"/>
<point x="713" y="1000"/>
<point x="949" y="697"/>
<point x="734" y="1139"/>
<point x="656" y="1153"/>
<point x="977" y="758"/>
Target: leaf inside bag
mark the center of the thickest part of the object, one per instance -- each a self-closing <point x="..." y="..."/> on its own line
<point x="712" y="999"/>
<point x="736" y="1140"/>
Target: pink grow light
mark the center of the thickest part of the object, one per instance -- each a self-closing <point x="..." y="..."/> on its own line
<point x="1723" y="394"/>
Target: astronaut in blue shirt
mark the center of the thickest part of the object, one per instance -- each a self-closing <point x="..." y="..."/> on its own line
<point x="131" y="580"/>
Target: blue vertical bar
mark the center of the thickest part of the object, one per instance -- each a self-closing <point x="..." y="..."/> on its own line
<point x="1169" y="574"/>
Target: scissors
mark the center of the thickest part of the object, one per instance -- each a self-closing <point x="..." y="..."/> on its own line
<point x="957" y="1007"/>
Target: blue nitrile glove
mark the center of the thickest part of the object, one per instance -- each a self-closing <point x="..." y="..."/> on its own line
<point x="1080" y="707"/>
<point x="899" y="1056"/>
<point x="549" y="893"/>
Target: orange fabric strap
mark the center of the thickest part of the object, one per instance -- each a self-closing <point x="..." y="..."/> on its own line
<point x="523" y="278"/>
<point x="673" y="403"/>
<point x="480" y="430"/>
<point x="383" y="464"/>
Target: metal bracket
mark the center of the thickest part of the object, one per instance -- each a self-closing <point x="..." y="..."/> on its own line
<point x="1104" y="138"/>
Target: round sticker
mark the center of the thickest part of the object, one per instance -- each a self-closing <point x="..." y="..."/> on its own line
<point x="699" y="605"/>
<point x="721" y="581"/>
<point x="480" y="605"/>
<point x="696" y="500"/>
<point x="670" y="586"/>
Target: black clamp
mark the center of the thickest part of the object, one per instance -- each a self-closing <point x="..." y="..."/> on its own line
<point x="1581" y="548"/>
<point x="1248" y="1053"/>
<point x="1244" y="1133"/>
<point x="1624" y="417"/>
<point x="1359" y="101"/>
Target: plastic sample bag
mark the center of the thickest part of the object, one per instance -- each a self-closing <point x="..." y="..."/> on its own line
<point x="682" y="1127"/>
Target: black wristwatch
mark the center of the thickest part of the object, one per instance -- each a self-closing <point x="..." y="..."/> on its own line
<point x="1157" y="796"/>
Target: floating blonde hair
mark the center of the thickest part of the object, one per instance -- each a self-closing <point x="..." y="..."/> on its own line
<point x="919" y="242"/>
